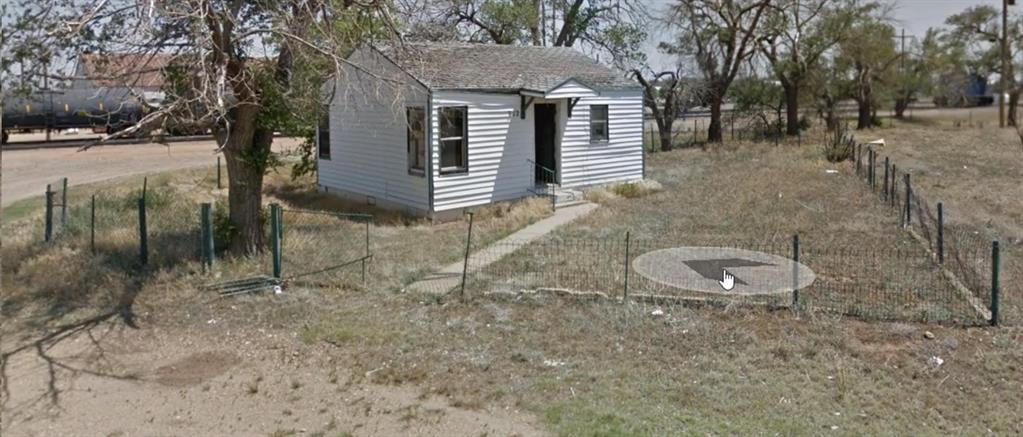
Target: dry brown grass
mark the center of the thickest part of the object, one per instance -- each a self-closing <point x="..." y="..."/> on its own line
<point x="976" y="174"/>
<point x="47" y="284"/>
<point x="601" y="368"/>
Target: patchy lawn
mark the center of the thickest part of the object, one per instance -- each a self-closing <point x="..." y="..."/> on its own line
<point x="372" y="360"/>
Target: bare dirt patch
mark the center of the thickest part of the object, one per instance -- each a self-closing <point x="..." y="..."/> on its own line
<point x="111" y="380"/>
<point x="195" y="368"/>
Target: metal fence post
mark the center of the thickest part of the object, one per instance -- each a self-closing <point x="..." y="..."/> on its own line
<point x="885" y="187"/>
<point x="63" y="206"/>
<point x="366" y="256"/>
<point x="870" y="169"/>
<point x="891" y="197"/>
<point x="625" y="294"/>
<point x="465" y="265"/>
<point x="218" y="172"/>
<point x="995" y="258"/>
<point x="275" y="238"/>
<point x="145" y="185"/>
<point x="795" y="271"/>
<point x="143" y="235"/>
<point x="941" y="233"/>
<point x="48" y="227"/>
<point x="206" y="218"/>
<point x="908" y="213"/>
<point x="92" y="225"/>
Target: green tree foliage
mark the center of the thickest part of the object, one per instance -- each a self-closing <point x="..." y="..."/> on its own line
<point x="796" y="35"/>
<point x="612" y="27"/>
<point x="865" y="58"/>
<point x="718" y="37"/>
<point x="243" y="69"/>
<point x="975" y="37"/>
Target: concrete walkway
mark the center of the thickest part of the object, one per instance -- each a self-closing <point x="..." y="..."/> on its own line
<point x="450" y="277"/>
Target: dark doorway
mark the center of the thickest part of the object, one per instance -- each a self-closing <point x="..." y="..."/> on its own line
<point x="546" y="128"/>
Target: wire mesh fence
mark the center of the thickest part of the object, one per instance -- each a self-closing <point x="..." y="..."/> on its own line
<point x="960" y="252"/>
<point x="877" y="283"/>
<point x="325" y="248"/>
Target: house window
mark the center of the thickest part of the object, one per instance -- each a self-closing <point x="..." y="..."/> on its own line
<point x="598" y="123"/>
<point x="454" y="156"/>
<point x="323" y="134"/>
<point x="416" y="138"/>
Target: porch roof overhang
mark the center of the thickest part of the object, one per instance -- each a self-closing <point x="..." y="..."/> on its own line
<point x="571" y="89"/>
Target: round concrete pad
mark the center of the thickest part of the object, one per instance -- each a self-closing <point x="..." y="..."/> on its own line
<point x="702" y="269"/>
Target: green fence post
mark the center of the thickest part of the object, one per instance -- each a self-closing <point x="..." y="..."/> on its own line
<point x="795" y="272"/>
<point x="206" y="218"/>
<point x="145" y="185"/>
<point x="891" y="197"/>
<point x="92" y="224"/>
<point x="143" y="237"/>
<point x="63" y="206"/>
<point x="941" y="233"/>
<point x="365" y="257"/>
<point x="218" y="172"/>
<point x="870" y="168"/>
<point x="465" y="265"/>
<point x="908" y="214"/>
<point x="48" y="227"/>
<point x="885" y="187"/>
<point x="275" y="238"/>
<point x="995" y="261"/>
<point x="625" y="294"/>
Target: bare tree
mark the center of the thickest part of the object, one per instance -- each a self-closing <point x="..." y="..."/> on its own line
<point x="669" y="96"/>
<point x="249" y="67"/>
<point x="718" y="37"/>
<point x="605" y="25"/>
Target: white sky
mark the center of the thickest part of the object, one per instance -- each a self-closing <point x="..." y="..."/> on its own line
<point x="916" y="16"/>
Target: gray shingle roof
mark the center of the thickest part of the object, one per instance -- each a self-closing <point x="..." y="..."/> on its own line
<point x="501" y="67"/>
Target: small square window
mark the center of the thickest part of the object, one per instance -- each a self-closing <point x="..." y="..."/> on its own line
<point x="598" y="124"/>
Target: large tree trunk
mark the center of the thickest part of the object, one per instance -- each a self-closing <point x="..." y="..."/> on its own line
<point x="791" y="108"/>
<point x="664" y="129"/>
<point x="244" y="144"/>
<point x="901" y="104"/>
<point x="1013" y="106"/>
<point x="714" y="129"/>
<point x="863" y="118"/>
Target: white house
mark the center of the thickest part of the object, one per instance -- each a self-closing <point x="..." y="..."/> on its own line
<point x="436" y="128"/>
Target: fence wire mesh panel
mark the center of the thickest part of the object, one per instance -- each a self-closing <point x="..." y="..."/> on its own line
<point x="959" y="252"/>
<point x="566" y="265"/>
<point x="325" y="248"/>
<point x="888" y="283"/>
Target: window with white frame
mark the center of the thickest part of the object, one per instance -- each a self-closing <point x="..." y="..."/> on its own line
<point x="598" y="124"/>
<point x="454" y="139"/>
<point x="416" y="139"/>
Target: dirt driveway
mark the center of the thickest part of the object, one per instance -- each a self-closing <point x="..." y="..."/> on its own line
<point x="26" y="172"/>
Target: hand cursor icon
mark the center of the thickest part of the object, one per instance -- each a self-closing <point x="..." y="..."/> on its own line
<point x="727" y="280"/>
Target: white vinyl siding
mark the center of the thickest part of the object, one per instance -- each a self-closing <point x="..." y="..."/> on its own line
<point x="499" y="145"/>
<point x="570" y="89"/>
<point x="368" y="135"/>
<point x="620" y="159"/>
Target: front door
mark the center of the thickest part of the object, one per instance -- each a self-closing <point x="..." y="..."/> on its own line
<point x="545" y="128"/>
